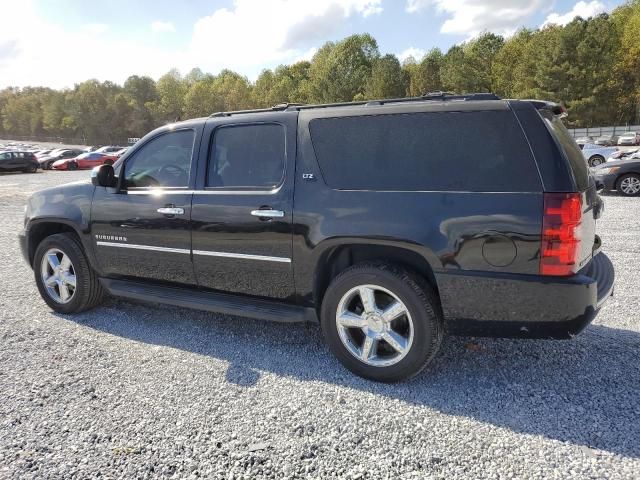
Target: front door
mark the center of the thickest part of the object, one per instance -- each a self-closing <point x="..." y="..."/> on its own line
<point x="142" y="229"/>
<point x="242" y="209"/>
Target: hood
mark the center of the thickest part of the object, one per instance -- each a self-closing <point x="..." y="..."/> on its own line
<point x="617" y="163"/>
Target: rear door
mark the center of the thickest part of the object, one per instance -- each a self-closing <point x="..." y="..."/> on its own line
<point x="242" y="208"/>
<point x="142" y="229"/>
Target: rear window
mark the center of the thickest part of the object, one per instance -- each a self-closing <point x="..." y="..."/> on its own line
<point x="439" y="151"/>
<point x="569" y="147"/>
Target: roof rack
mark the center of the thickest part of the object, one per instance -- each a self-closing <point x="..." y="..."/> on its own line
<point x="435" y="96"/>
<point x="276" y="108"/>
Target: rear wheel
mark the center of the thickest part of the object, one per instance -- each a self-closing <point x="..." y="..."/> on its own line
<point x="380" y="322"/>
<point x="64" y="278"/>
<point x="72" y="166"/>
<point x="596" y="160"/>
<point x="629" y="185"/>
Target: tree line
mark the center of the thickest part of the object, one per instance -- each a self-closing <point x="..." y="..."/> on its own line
<point x="592" y="66"/>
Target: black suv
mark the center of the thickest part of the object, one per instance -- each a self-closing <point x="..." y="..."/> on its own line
<point x="17" y="161"/>
<point x="391" y="222"/>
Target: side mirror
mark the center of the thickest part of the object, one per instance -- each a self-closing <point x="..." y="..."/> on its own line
<point x="104" y="176"/>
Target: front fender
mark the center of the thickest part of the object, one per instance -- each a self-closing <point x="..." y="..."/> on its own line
<point x="69" y="206"/>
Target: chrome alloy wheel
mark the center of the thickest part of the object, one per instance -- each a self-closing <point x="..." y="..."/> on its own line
<point x="374" y="325"/>
<point x="630" y="185"/>
<point x="58" y="275"/>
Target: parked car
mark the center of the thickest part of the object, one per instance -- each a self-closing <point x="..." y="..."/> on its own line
<point x="620" y="175"/>
<point x="47" y="161"/>
<point x="596" y="154"/>
<point x="121" y="152"/>
<point x="109" y="149"/>
<point x="629" y="138"/>
<point x="42" y="153"/>
<point x="471" y="217"/>
<point x="622" y="154"/>
<point x="607" y="140"/>
<point x="583" y="140"/>
<point x="84" y="161"/>
<point x="18" y="161"/>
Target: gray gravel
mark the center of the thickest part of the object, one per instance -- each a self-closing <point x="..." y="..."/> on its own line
<point x="131" y="390"/>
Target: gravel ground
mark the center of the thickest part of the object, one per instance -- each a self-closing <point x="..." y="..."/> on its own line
<point x="138" y="391"/>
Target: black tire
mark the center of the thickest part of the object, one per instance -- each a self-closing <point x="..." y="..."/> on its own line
<point x="72" y="166"/>
<point x="88" y="291"/>
<point x="596" y="160"/>
<point x="108" y="162"/>
<point x="421" y="302"/>
<point x="633" y="178"/>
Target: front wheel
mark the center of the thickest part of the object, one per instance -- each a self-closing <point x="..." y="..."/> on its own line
<point x="64" y="278"/>
<point x="381" y="322"/>
<point x="72" y="166"/>
<point x="629" y="185"/>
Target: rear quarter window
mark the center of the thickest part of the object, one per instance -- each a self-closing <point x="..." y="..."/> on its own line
<point x="571" y="150"/>
<point x="437" y="151"/>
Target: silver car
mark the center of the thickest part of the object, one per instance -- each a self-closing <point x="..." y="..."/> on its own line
<point x="629" y="138"/>
<point x="596" y="154"/>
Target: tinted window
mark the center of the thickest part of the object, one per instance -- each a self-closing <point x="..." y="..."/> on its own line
<point x="463" y="151"/>
<point x="164" y="161"/>
<point x="247" y="156"/>
<point x="570" y="149"/>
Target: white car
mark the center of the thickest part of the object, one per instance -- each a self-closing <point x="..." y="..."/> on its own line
<point x="596" y="154"/>
<point x="629" y="138"/>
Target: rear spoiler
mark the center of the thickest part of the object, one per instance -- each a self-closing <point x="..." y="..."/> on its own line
<point x="555" y="108"/>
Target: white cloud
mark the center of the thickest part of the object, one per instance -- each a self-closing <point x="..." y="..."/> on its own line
<point x="416" y="53"/>
<point x="471" y="17"/>
<point x="417" y="5"/>
<point x="95" y="28"/>
<point x="580" y="9"/>
<point x="56" y="56"/>
<point x="306" y="56"/>
<point x="162" y="27"/>
<point x="242" y="37"/>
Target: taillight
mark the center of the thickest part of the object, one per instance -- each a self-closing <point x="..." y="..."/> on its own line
<point x="560" y="233"/>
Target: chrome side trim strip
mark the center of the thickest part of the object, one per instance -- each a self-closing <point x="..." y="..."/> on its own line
<point x="144" y="247"/>
<point x="244" y="256"/>
<point x="206" y="253"/>
<point x="159" y="192"/>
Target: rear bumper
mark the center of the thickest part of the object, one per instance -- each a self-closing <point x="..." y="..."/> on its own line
<point x="525" y="306"/>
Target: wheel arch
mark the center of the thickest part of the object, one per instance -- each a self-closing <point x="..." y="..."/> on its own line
<point x="338" y="258"/>
<point x="41" y="229"/>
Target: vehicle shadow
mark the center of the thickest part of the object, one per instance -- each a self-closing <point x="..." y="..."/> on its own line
<point x="584" y="391"/>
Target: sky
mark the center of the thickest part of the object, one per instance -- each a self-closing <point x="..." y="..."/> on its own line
<point x="58" y="43"/>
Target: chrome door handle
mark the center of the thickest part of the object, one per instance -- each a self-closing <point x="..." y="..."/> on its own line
<point x="267" y="213"/>
<point x="171" y="211"/>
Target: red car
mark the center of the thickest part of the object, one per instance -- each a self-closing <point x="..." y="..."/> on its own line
<point x="84" y="161"/>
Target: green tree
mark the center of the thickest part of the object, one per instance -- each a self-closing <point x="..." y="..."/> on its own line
<point x="339" y="71"/>
<point x="171" y="90"/>
<point x="387" y="79"/>
<point x="425" y="76"/>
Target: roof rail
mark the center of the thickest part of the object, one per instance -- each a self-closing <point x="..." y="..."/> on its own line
<point x="435" y="96"/>
<point x="276" y="108"/>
